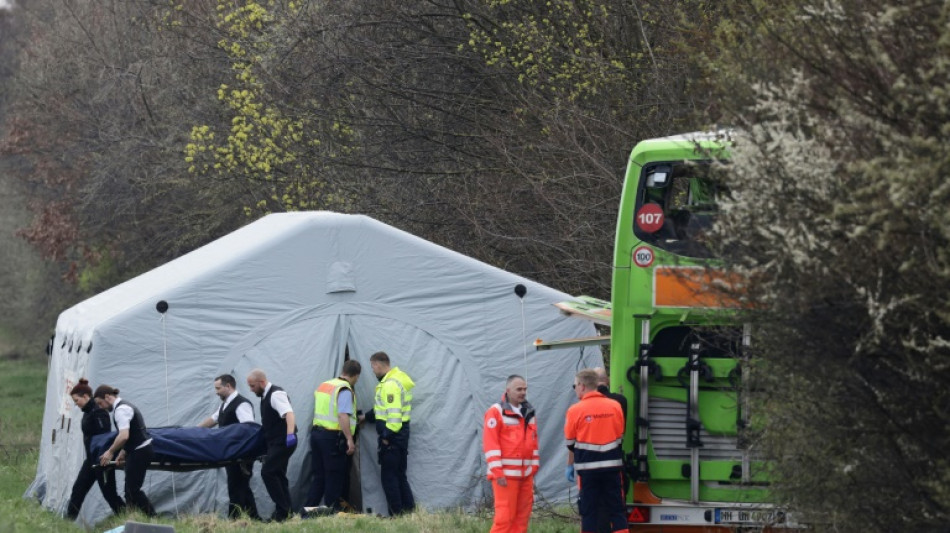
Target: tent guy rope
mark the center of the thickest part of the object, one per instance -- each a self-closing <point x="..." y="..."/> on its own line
<point x="161" y="307"/>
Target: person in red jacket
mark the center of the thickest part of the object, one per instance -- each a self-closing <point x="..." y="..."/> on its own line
<point x="593" y="430"/>
<point x="511" y="451"/>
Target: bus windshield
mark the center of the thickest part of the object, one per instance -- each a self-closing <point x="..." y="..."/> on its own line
<point x="676" y="206"/>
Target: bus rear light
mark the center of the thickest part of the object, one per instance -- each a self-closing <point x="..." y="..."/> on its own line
<point x="639" y="515"/>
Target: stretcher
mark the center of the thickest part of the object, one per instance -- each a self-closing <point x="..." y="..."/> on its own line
<point x="184" y="449"/>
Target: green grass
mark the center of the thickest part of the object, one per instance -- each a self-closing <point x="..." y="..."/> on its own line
<point x="22" y="398"/>
<point x="422" y="521"/>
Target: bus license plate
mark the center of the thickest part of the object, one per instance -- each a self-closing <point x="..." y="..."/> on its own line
<point x="749" y="516"/>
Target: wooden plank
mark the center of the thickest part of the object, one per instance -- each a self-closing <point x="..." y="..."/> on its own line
<point x="588" y="308"/>
<point x="599" y="340"/>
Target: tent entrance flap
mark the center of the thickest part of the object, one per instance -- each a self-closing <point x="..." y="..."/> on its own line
<point x="448" y="400"/>
<point x="309" y="347"/>
<point x="297" y="354"/>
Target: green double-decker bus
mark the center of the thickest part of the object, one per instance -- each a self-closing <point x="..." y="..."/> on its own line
<point x="679" y="349"/>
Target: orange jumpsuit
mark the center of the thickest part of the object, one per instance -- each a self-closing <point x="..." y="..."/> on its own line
<point x="511" y="451"/>
<point x="593" y="431"/>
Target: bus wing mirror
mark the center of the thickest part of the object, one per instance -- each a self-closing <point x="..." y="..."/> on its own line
<point x="659" y="177"/>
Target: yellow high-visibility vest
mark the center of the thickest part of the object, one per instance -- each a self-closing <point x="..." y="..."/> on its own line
<point x="394" y="399"/>
<point x="325" y="413"/>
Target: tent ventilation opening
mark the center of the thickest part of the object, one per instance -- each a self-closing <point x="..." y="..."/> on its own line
<point x="161" y="307"/>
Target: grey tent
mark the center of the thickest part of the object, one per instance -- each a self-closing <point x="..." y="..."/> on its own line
<point x="292" y="294"/>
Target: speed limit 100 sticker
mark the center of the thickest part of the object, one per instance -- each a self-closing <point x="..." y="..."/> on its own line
<point x="643" y="256"/>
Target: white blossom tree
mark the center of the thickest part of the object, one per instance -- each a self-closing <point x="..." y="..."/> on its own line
<point x="838" y="216"/>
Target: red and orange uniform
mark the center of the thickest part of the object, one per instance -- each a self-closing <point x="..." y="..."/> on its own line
<point x="511" y="451"/>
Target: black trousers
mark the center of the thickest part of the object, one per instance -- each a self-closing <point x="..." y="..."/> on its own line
<point x="274" y="476"/>
<point x="136" y="464"/>
<point x="602" y="489"/>
<point x="240" y="496"/>
<point x="393" y="462"/>
<point x="604" y="514"/>
<point x="84" y="480"/>
<point x="329" y="468"/>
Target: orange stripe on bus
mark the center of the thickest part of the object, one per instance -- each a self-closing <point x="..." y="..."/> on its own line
<point x="694" y="287"/>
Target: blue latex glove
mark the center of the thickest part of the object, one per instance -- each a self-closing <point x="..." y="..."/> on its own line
<point x="569" y="473"/>
<point x="291" y="440"/>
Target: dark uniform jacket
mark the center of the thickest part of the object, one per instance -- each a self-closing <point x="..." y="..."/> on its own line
<point x="138" y="433"/>
<point x="228" y="415"/>
<point x="272" y="424"/>
<point x="95" y="421"/>
<point x="615" y="396"/>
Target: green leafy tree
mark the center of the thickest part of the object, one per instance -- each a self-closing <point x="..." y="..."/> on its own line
<point x="407" y="112"/>
<point x="272" y="145"/>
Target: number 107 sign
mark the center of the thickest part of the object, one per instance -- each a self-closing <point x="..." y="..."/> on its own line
<point x="650" y="218"/>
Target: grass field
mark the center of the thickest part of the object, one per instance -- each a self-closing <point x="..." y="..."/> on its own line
<point x="22" y="396"/>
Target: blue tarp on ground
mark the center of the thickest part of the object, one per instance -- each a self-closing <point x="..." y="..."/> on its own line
<point x="196" y="447"/>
